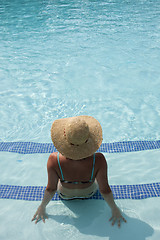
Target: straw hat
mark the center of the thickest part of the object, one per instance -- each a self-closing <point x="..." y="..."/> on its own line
<point x="76" y="137"/>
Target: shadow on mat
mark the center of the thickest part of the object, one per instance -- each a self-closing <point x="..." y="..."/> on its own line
<point x="92" y="218"/>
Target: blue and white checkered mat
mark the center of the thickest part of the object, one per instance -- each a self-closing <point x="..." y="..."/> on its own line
<point x="35" y="193"/>
<point x="31" y="147"/>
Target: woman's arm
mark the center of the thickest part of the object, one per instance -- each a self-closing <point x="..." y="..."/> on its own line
<point x="50" y="189"/>
<point x="41" y="211"/>
<point x="105" y="190"/>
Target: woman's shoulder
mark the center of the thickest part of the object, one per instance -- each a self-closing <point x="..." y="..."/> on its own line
<point x="52" y="160"/>
<point x="100" y="156"/>
<point x="100" y="160"/>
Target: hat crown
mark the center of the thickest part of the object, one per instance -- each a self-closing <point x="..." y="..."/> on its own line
<point x="77" y="131"/>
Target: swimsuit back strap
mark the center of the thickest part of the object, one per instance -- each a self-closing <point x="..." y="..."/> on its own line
<point x="60" y="166"/>
<point x="94" y="158"/>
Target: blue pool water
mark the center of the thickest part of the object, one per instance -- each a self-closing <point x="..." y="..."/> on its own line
<point x="62" y="58"/>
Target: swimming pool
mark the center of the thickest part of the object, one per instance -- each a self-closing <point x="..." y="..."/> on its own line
<point x="65" y="58"/>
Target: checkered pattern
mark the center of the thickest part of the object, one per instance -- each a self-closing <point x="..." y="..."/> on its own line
<point x="31" y="147"/>
<point x="35" y="193"/>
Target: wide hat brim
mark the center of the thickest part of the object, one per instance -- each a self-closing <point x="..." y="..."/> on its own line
<point x="72" y="151"/>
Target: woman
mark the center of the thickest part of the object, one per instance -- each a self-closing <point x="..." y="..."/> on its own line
<point x="76" y="171"/>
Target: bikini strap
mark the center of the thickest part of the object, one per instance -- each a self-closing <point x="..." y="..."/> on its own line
<point x="94" y="158"/>
<point x="60" y="166"/>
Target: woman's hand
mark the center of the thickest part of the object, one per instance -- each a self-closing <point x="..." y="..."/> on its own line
<point x="117" y="216"/>
<point x="40" y="214"/>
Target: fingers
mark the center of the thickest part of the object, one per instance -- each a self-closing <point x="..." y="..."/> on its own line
<point x="114" y="219"/>
<point x="119" y="223"/>
<point x="34" y="216"/>
<point x="124" y="219"/>
<point x="37" y="218"/>
<point x="43" y="219"/>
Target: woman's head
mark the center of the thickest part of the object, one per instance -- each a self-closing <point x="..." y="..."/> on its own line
<point x="76" y="137"/>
